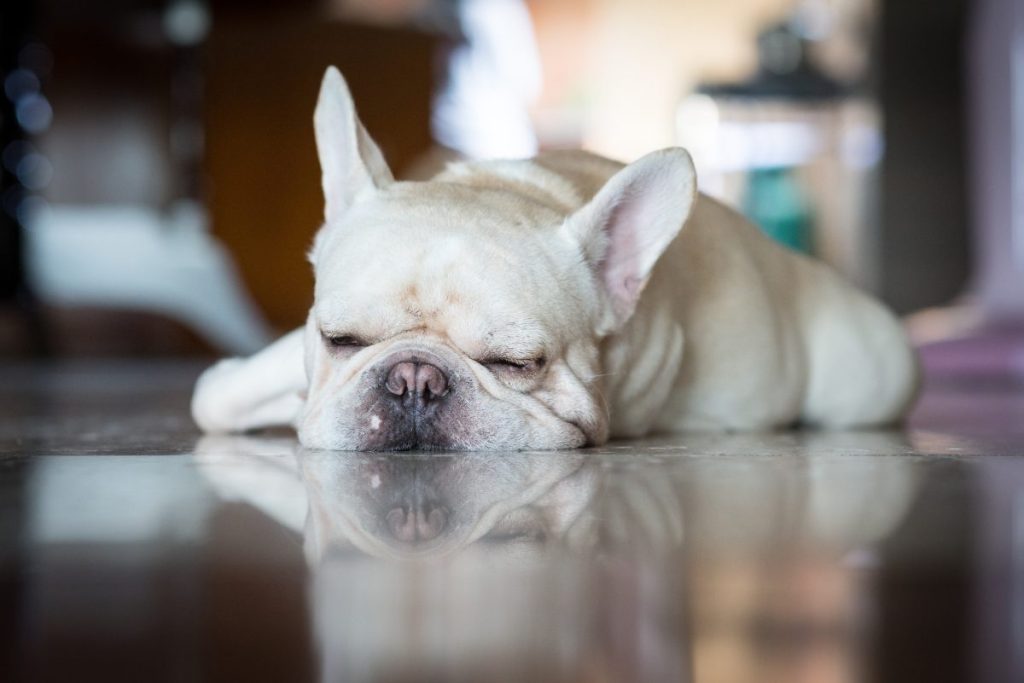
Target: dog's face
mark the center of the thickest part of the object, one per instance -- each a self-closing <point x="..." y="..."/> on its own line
<point x="440" y="322"/>
<point x="461" y="316"/>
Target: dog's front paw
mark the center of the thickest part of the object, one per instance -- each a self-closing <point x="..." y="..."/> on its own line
<point x="212" y="407"/>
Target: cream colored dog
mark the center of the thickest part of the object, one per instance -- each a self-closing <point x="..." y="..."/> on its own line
<point x="552" y="303"/>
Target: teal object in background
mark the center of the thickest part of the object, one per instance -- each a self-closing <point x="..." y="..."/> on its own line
<point x="775" y="201"/>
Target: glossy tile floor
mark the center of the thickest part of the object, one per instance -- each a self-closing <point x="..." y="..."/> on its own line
<point x="135" y="550"/>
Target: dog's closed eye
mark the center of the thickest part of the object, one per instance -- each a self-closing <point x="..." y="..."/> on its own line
<point x="343" y="341"/>
<point x="520" y="366"/>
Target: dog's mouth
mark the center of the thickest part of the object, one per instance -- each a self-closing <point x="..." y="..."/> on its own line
<point x="416" y="436"/>
<point x="403" y="423"/>
<point x="414" y="431"/>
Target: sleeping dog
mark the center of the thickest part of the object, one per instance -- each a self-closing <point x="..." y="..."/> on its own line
<point x="551" y="303"/>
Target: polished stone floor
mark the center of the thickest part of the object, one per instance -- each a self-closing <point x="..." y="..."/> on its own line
<point x="133" y="549"/>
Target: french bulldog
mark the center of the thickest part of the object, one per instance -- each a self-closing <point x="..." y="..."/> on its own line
<point x="552" y="303"/>
<point x="489" y="562"/>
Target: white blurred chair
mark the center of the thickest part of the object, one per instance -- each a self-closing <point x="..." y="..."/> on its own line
<point x="136" y="258"/>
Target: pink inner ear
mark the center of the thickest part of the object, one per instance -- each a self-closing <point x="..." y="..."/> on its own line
<point x="624" y="291"/>
<point x="621" y="260"/>
<point x="632" y="220"/>
<point x="631" y="287"/>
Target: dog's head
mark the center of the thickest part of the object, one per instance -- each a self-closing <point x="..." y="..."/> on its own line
<point x="468" y="315"/>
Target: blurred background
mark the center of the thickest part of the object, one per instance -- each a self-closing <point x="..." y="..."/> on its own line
<point x="160" y="185"/>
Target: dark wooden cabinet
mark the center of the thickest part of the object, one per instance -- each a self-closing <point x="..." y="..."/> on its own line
<point x="262" y="75"/>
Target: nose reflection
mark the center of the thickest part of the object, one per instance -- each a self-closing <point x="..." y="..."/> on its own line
<point x="554" y="566"/>
<point x="409" y="524"/>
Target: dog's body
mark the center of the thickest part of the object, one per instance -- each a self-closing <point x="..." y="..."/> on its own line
<point x="552" y="303"/>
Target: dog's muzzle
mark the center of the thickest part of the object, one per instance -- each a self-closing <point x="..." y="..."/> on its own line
<point x="414" y="401"/>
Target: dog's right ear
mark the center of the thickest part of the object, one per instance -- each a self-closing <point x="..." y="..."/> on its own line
<point x="350" y="161"/>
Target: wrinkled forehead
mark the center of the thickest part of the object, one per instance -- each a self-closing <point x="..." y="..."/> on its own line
<point x="461" y="271"/>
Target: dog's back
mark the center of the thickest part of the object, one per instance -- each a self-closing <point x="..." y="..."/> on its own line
<point x="756" y="320"/>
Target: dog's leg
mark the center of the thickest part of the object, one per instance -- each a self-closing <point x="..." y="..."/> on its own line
<point x="863" y="372"/>
<point x="264" y="390"/>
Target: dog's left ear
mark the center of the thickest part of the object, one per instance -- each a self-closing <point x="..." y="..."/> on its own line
<point x="350" y="160"/>
<point x="627" y="226"/>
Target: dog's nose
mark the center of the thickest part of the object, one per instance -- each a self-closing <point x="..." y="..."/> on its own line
<point x="420" y="381"/>
<point x="423" y="524"/>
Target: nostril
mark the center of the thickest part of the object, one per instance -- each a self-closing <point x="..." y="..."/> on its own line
<point x="401" y="524"/>
<point x="431" y="522"/>
<point x="401" y="377"/>
<point x="430" y="381"/>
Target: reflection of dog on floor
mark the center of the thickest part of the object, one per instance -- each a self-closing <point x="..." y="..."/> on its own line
<point x="552" y="303"/>
<point x="510" y="560"/>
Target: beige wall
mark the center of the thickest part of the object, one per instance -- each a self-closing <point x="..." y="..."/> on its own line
<point x="615" y="70"/>
<point x="634" y="61"/>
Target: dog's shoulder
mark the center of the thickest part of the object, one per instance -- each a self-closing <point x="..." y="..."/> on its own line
<point x="563" y="180"/>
